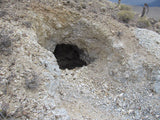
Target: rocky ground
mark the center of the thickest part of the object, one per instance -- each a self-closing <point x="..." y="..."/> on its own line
<point x="121" y="80"/>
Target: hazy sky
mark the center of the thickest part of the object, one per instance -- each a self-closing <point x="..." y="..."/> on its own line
<point x="135" y="2"/>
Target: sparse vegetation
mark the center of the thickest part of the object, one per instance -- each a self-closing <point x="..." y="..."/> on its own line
<point x="3" y="112"/>
<point x="125" y="7"/>
<point x="125" y="16"/>
<point x="143" y="22"/>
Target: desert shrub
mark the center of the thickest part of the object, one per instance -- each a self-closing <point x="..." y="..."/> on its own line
<point x="125" y="7"/>
<point x="143" y="22"/>
<point x="125" y="16"/>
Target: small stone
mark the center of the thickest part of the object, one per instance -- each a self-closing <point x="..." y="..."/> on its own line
<point x="157" y="116"/>
<point x="1" y="93"/>
<point x="50" y="103"/>
<point x="25" y="113"/>
<point x="66" y="2"/>
<point x="27" y="24"/>
<point x="103" y="9"/>
<point x="58" y="26"/>
<point x="61" y="114"/>
<point x="83" y="6"/>
<point x="24" y="35"/>
<point x="130" y="111"/>
<point x="78" y="8"/>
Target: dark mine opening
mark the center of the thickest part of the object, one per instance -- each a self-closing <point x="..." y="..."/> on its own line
<point x="69" y="56"/>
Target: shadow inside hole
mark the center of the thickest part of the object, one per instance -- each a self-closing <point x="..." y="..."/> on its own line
<point x="69" y="56"/>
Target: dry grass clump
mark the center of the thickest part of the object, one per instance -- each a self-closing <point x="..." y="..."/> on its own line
<point x="125" y="7"/>
<point x="143" y="22"/>
<point x="125" y="16"/>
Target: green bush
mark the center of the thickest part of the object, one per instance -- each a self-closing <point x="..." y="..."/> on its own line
<point x="125" y="16"/>
<point x="143" y="22"/>
<point x="125" y="7"/>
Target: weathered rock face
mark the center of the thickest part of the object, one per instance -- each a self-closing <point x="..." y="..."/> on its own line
<point x="70" y="29"/>
<point x="119" y="81"/>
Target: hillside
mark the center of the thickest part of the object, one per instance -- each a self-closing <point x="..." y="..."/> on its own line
<point x="77" y="60"/>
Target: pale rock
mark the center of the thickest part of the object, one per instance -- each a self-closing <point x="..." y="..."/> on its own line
<point x="61" y="114"/>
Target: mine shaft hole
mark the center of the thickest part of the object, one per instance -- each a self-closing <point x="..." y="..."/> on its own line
<point x="69" y="56"/>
